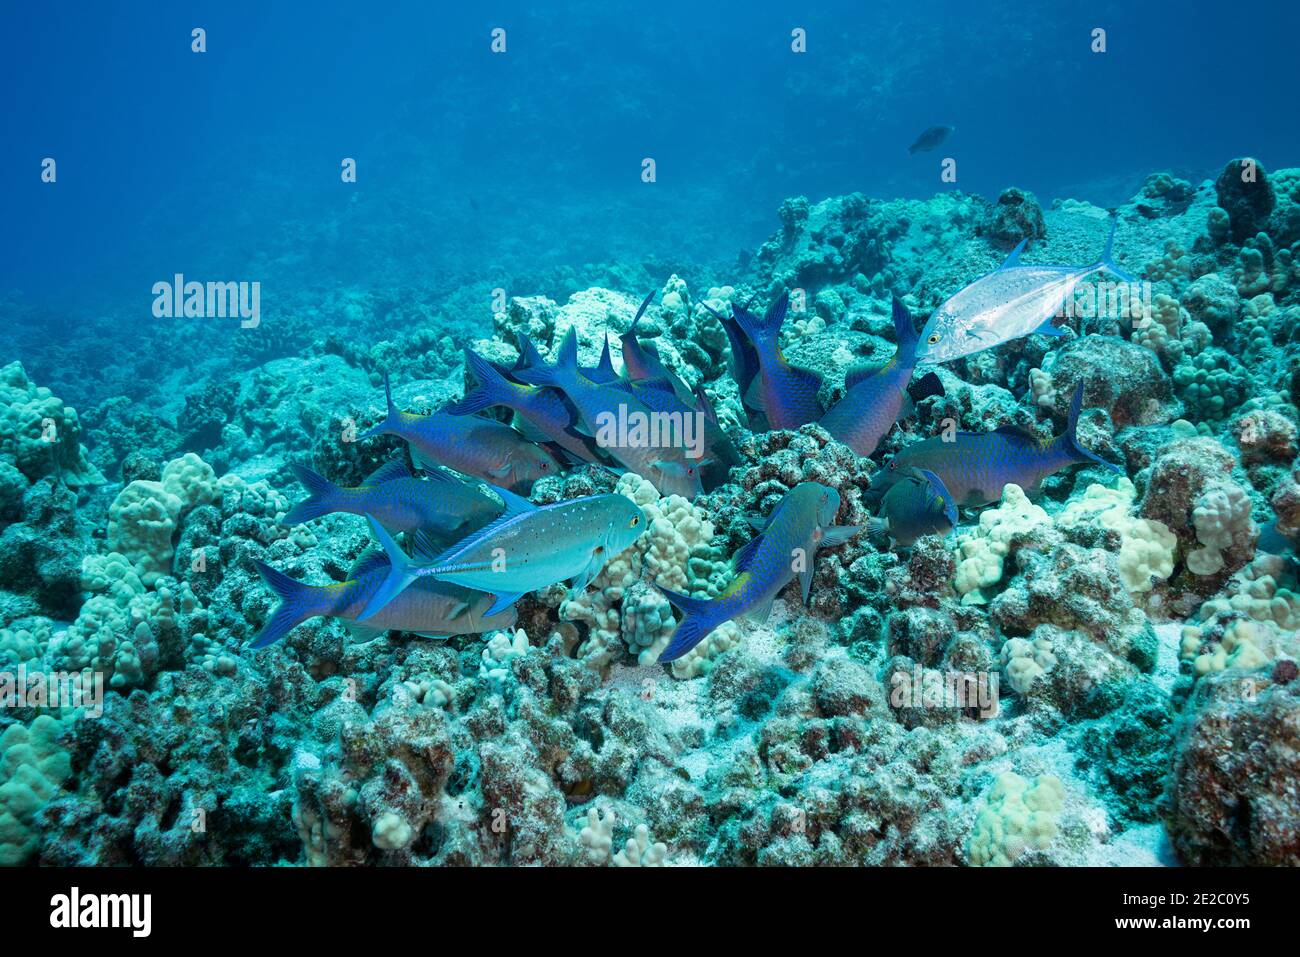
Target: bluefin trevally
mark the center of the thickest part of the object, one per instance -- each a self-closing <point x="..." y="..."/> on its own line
<point x="432" y="609"/>
<point x="975" y="467"/>
<point x="916" y="504"/>
<point x="470" y="444"/>
<point x="802" y="522"/>
<point x="527" y="548"/>
<point x="1010" y="302"/>
<point x="440" y="504"/>
<point x="876" y="397"/>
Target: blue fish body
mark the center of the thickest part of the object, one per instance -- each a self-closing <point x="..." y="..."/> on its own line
<point x="800" y="524"/>
<point x="398" y="500"/>
<point x="917" y="504"/>
<point x="544" y="409"/>
<point x="527" y="548"/>
<point x="975" y="467"/>
<point x="786" y="394"/>
<point x="431" y="608"/>
<point x="472" y="445"/>
<point x="875" y="399"/>
<point x="669" y="466"/>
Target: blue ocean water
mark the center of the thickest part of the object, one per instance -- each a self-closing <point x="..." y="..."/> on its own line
<point x="474" y="164"/>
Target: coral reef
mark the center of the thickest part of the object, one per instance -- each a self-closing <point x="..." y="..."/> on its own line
<point x="1095" y="669"/>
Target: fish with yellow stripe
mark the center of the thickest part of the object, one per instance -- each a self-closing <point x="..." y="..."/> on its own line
<point x="801" y="523"/>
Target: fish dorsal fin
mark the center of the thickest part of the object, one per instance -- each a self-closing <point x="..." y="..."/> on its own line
<point x="606" y="364"/>
<point x="1020" y="435"/>
<point x="745" y="557"/>
<point x="1014" y="259"/>
<point x="425" y="546"/>
<point x="645" y="304"/>
<point x="372" y="559"/>
<point x="396" y="469"/>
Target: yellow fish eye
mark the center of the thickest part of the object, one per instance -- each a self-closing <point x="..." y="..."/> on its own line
<point x="635" y="522"/>
<point x="934" y="338"/>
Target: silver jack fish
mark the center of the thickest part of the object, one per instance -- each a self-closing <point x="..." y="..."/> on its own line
<point x="431" y="609"/>
<point x="527" y="548"/>
<point x="1011" y="302"/>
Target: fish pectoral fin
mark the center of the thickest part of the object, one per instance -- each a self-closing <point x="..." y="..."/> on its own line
<point x="838" y="535"/>
<point x="363" y="632"/>
<point x="503" y="601"/>
<point x="457" y="610"/>
<point x="760" y="613"/>
<point x="805" y="582"/>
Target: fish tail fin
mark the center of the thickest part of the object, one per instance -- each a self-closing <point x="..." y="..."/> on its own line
<point x="298" y="602"/>
<point x="401" y="572"/>
<point x="321" y="496"/>
<point x="1071" y="438"/>
<point x="563" y="370"/>
<point x="905" y="332"/>
<point x="529" y="357"/>
<point x="698" y="622"/>
<point x="391" y="418"/>
<point x="493" y="387"/>
<point x="1107" y="260"/>
<point x="764" y="331"/>
<point x="567" y="358"/>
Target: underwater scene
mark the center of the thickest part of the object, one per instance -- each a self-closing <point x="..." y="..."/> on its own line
<point x="593" y="434"/>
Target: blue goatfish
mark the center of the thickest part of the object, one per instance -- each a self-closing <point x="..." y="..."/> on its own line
<point x="975" y="467"/>
<point x="1011" y="302"/>
<point x="441" y="504"/>
<point x="876" y="397"/>
<point x="527" y="548"/>
<point x="801" y="523"/>
<point x="916" y="504"/>
<point x="481" y="447"/>
<point x="544" y="410"/>
<point x="665" y="450"/>
<point x="433" y="609"/>
<point x="786" y="394"/>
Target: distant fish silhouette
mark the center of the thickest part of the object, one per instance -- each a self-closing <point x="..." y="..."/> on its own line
<point x="930" y="139"/>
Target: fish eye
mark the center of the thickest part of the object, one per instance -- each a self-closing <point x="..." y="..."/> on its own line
<point x="636" y="520"/>
<point x="934" y="338"/>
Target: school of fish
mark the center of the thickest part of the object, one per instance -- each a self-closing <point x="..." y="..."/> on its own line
<point x="474" y="544"/>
